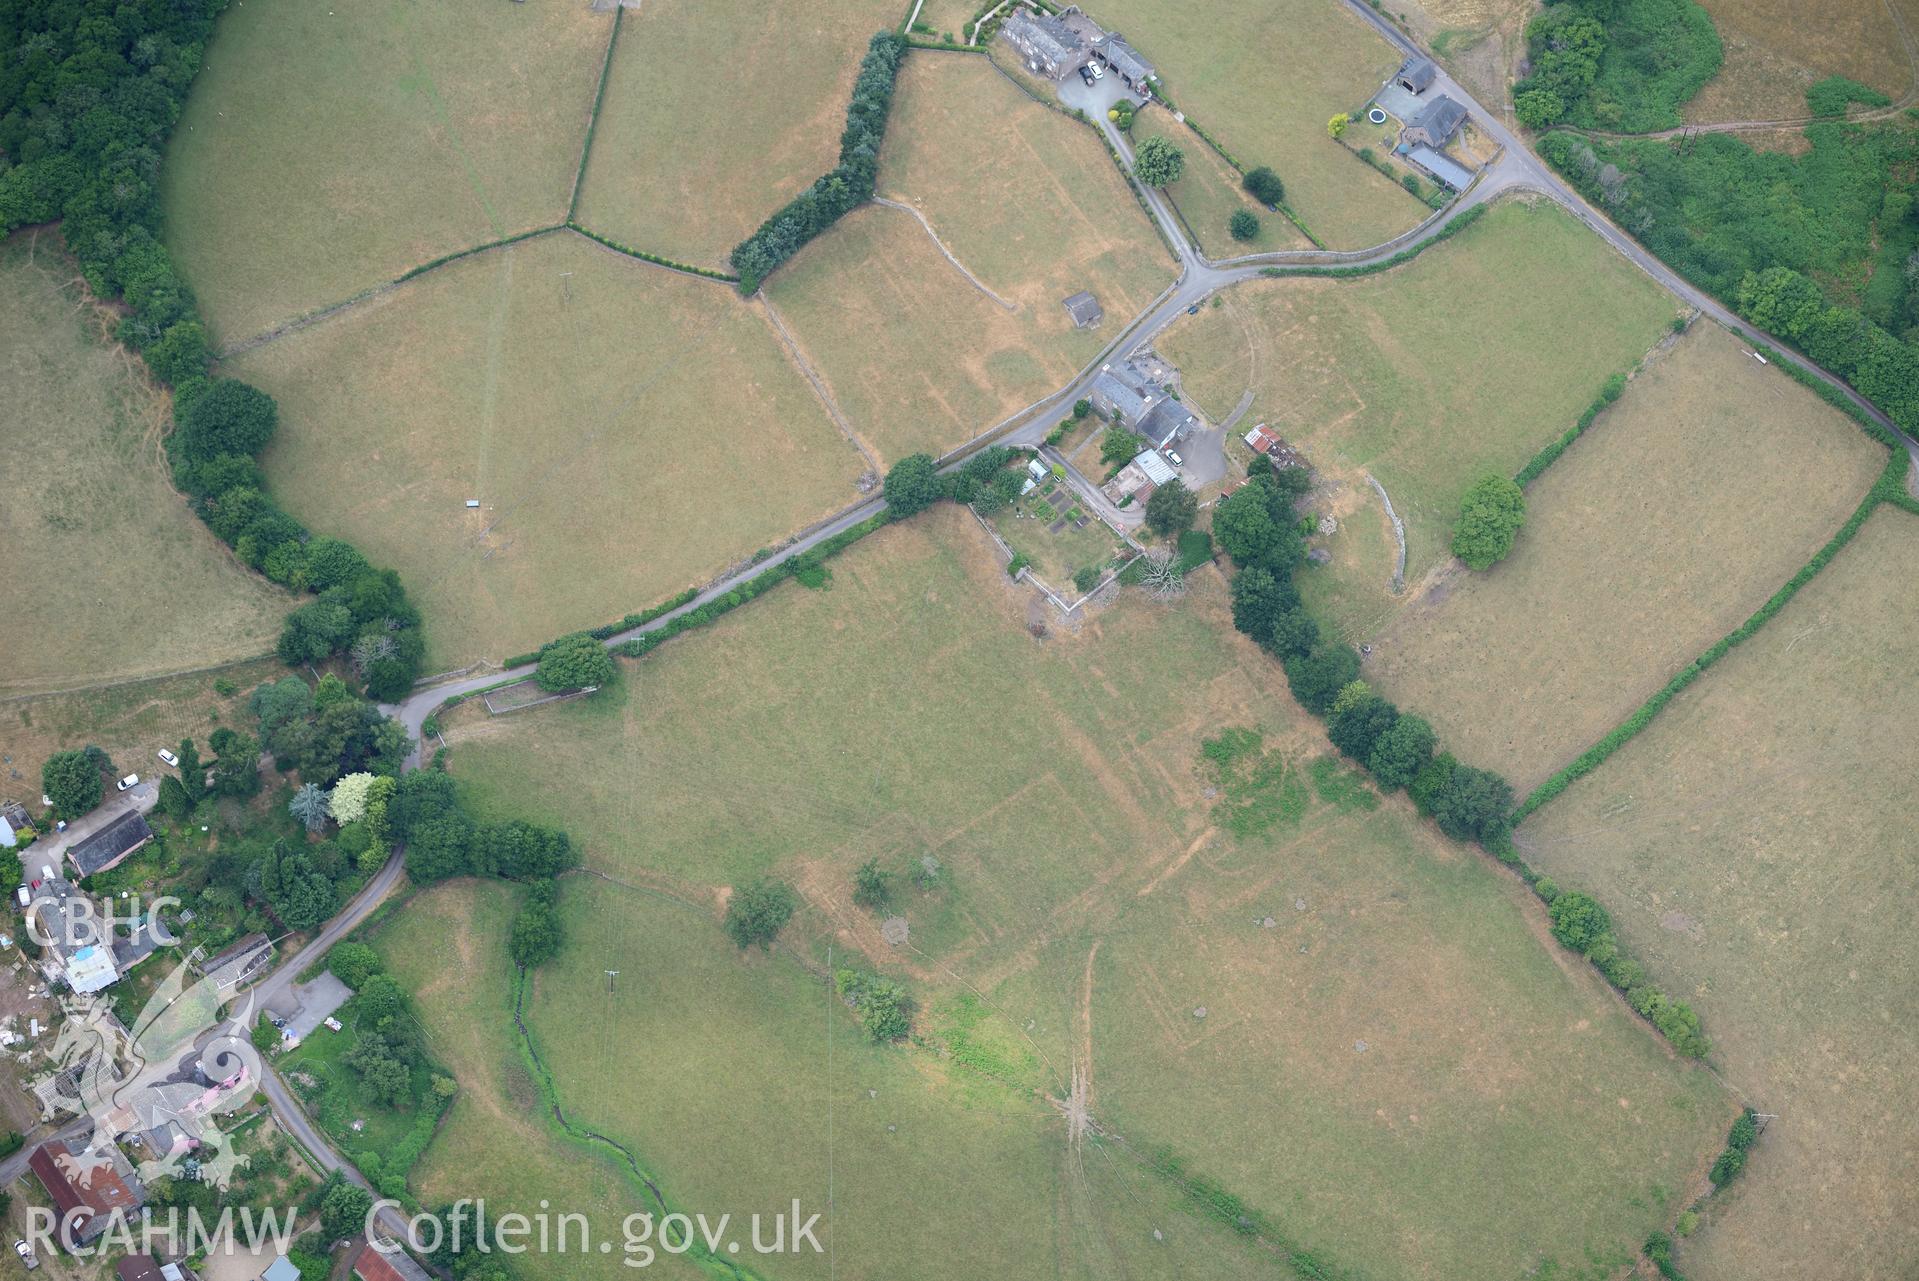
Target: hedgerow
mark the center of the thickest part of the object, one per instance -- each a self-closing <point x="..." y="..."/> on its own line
<point x="1614" y="387"/>
<point x="1889" y="487"/>
<point x="847" y="186"/>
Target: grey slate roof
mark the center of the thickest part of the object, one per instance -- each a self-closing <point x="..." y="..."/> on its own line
<point x="1115" y="392"/>
<point x="1042" y="38"/>
<point x="1166" y="420"/>
<point x="1083" y="308"/>
<point x="1416" y="73"/>
<point x="1125" y="59"/>
<point x="1444" y="168"/>
<point x="111" y="843"/>
<point x="1440" y="120"/>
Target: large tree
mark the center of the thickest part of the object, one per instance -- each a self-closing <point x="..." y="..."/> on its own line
<point x="230" y="417"/>
<point x="1489" y="519"/>
<point x="575" y="662"/>
<point x="1172" y="509"/>
<point x="1157" y="162"/>
<point x="72" y="782"/>
<point x="1402" y="751"/>
<point x="758" y="911"/>
<point x="912" y="486"/>
<point x="1255" y="525"/>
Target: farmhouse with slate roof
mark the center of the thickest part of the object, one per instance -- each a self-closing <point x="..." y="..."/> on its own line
<point x="1436" y="125"/>
<point x="1047" y="45"/>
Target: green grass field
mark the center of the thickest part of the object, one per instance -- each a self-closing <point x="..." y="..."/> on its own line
<point x="496" y="1142"/>
<point x="916" y="354"/>
<point x="1091" y="898"/>
<point x="628" y="431"/>
<point x="1686" y="505"/>
<point x="1427" y="376"/>
<point x="114" y="577"/>
<point x="328" y="147"/>
<point x="1057" y="557"/>
<point x="716" y="114"/>
<point x="1263" y="77"/>
<point x="1754" y="845"/>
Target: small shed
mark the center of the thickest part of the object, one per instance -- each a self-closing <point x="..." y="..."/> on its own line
<point x="1156" y="468"/>
<point x="1084" y="309"/>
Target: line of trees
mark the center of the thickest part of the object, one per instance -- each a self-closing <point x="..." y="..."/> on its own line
<point x="846" y="186"/>
<point x="89" y="93"/>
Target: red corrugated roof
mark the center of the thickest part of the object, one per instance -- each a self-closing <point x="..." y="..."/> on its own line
<point x="82" y="1184"/>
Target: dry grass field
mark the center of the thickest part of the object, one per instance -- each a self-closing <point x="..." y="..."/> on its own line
<point x="1755" y="847"/>
<point x="1427" y="376"/>
<point x="1209" y="191"/>
<point x="1686" y="505"/>
<point x="628" y="431"/>
<point x="112" y="575"/>
<point x="129" y="719"/>
<point x="718" y="112"/>
<point x="1777" y="49"/>
<point x="1031" y="206"/>
<point x="448" y="947"/>
<point x="1091" y="899"/>
<point x="329" y="147"/>
<point x="1263" y="76"/>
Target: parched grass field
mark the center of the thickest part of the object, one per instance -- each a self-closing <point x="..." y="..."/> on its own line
<point x="717" y="112"/>
<point x="112" y="577"/>
<point x="1685" y="505"/>
<point x="627" y="430"/>
<point x="130" y="720"/>
<point x="918" y="355"/>
<point x="328" y="147"/>
<point x="1263" y="77"/>
<point x="1091" y="898"/>
<point x="1208" y="192"/>
<point x="1777" y="49"/>
<point x="448" y="947"/>
<point x="1464" y="361"/>
<point x="1755" y="846"/>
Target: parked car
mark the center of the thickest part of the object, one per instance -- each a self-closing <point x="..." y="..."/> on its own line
<point x="1086" y="73"/>
<point x="1098" y="72"/>
<point x="168" y="757"/>
<point x="26" y="1254"/>
<point x="1172" y="456"/>
<point x="131" y="780"/>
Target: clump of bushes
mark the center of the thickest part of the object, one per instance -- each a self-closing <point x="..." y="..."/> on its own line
<point x="1265" y="186"/>
<point x="848" y="185"/>
<point x="1581" y="924"/>
<point x="1244" y="224"/>
<point x="884" y="1006"/>
<point x="575" y="662"/>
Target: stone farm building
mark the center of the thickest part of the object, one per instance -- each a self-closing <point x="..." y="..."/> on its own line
<point x="1047" y="45"/>
<point x="1435" y="126"/>
<point x="111" y="845"/>
<point x="1416" y="75"/>
<point x="1132" y="392"/>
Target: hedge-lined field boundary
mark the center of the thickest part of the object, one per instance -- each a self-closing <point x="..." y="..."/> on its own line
<point x="593" y="118"/>
<point x="1611" y="390"/>
<point x="685" y="268"/>
<point x="1464" y="220"/>
<point x="1890" y="487"/>
<point x="1285" y="210"/>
